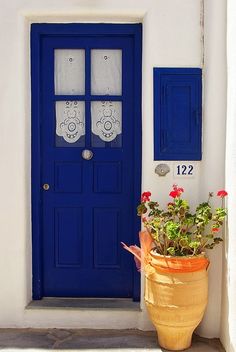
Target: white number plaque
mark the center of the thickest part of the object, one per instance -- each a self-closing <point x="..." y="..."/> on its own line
<point x="184" y="169"/>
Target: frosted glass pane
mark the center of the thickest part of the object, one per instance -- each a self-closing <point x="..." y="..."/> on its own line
<point x="69" y="71"/>
<point x="106" y="119"/>
<point x="106" y="72"/>
<point x="70" y="121"/>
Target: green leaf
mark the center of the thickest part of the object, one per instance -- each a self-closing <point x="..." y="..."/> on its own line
<point x="194" y="244"/>
<point x="153" y="205"/>
<point x="172" y="230"/>
<point x="171" y="250"/>
<point x="217" y="240"/>
<point x="141" y="209"/>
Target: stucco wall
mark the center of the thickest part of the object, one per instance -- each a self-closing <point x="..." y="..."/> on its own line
<point x="228" y="327"/>
<point x="212" y="165"/>
<point x="172" y="36"/>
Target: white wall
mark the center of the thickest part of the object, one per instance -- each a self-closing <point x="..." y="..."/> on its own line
<point x="172" y="36"/>
<point x="228" y="328"/>
<point x="212" y="165"/>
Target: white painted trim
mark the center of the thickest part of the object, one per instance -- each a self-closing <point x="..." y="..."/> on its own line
<point x="83" y="16"/>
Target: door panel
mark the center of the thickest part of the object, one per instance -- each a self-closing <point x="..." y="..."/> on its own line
<point x="68" y="177"/>
<point x="68" y="237"/>
<point x="106" y="238"/>
<point x="107" y="177"/>
<point x="89" y="206"/>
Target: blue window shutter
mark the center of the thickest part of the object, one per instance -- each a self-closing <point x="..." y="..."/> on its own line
<point x="177" y="113"/>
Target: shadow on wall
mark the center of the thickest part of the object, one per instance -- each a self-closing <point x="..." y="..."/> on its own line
<point x="225" y="335"/>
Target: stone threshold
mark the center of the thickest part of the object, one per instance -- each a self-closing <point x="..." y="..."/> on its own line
<point x="93" y="340"/>
<point x="85" y="304"/>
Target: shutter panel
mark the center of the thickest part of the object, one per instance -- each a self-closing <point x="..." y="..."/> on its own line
<point x="177" y="113"/>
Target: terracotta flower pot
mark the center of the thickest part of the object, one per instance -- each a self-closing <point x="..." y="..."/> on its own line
<point x="176" y="291"/>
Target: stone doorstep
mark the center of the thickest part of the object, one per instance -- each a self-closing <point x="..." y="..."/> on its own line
<point x="85" y="304"/>
<point x="93" y="340"/>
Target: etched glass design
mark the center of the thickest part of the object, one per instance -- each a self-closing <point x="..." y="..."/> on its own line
<point x="70" y="120"/>
<point x="106" y="119"/>
<point x="106" y="72"/>
<point x="69" y="71"/>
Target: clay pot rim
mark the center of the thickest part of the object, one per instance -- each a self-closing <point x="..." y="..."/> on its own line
<point x="185" y="257"/>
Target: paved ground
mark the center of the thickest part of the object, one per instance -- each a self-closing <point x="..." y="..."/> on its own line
<point x="92" y="340"/>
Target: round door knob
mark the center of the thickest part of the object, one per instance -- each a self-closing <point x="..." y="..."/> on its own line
<point x="46" y="186"/>
<point x="87" y="154"/>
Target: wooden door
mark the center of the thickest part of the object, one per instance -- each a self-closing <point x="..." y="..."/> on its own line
<point x="89" y="162"/>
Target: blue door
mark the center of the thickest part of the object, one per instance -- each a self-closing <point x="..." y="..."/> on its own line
<point x="88" y="97"/>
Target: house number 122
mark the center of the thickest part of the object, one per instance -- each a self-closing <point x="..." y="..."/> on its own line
<point x="183" y="170"/>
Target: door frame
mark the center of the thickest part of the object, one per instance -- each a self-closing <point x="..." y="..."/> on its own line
<point x="37" y="32"/>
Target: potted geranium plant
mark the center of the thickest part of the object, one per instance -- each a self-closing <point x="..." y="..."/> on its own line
<point x="173" y="257"/>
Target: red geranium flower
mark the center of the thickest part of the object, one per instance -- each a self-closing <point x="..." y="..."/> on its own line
<point x="145" y="197"/>
<point x="174" y="194"/>
<point x="215" y="229"/>
<point x="177" y="191"/>
<point x="222" y="193"/>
